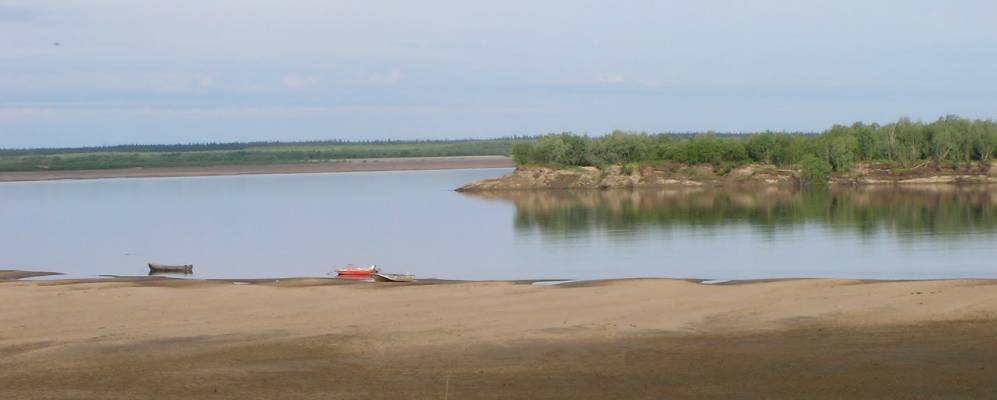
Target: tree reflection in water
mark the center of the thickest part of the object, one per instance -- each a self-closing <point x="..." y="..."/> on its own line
<point x="943" y="210"/>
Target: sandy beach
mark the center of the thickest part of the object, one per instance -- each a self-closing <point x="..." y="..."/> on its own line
<point x="350" y="165"/>
<point x="653" y="338"/>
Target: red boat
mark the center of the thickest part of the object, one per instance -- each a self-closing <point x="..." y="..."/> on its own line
<point x="353" y="272"/>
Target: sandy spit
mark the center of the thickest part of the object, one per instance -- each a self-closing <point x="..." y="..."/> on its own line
<point x="644" y="338"/>
<point x="351" y="165"/>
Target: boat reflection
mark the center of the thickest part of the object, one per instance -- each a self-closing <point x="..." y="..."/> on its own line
<point x="174" y="274"/>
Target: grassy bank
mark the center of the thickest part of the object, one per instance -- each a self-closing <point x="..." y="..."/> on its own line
<point x="261" y="153"/>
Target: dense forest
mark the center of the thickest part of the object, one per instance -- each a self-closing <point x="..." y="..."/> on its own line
<point x="906" y="143"/>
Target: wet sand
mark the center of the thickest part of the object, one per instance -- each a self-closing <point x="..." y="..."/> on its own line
<point x="6" y="274"/>
<point x="655" y="338"/>
<point x="350" y="165"/>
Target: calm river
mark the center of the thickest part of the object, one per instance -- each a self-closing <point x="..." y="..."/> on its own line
<point x="306" y="225"/>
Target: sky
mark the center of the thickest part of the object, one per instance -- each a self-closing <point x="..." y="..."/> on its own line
<point x="101" y="72"/>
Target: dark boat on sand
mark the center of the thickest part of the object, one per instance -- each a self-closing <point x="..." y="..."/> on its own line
<point x="186" y="269"/>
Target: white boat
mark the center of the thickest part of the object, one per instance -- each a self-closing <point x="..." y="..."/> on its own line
<point x="379" y="277"/>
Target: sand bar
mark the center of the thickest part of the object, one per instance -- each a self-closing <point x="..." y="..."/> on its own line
<point x="316" y="338"/>
<point x="349" y="165"/>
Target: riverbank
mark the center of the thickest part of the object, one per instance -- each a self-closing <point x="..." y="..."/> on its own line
<point x="347" y="165"/>
<point x="679" y="175"/>
<point x="644" y="338"/>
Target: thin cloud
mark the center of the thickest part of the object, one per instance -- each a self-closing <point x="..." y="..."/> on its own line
<point x="612" y="79"/>
<point x="585" y="65"/>
<point x="16" y="14"/>
<point x="384" y="78"/>
<point x="295" y="81"/>
<point x="17" y="113"/>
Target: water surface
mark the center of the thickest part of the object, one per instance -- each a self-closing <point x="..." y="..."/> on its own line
<point x="412" y="221"/>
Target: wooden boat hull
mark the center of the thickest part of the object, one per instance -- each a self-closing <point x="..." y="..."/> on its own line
<point x="153" y="267"/>
<point x="393" y="278"/>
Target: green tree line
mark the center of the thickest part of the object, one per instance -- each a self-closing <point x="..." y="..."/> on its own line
<point x="907" y="143"/>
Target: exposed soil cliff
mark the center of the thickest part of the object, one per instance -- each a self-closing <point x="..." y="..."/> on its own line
<point x="705" y="175"/>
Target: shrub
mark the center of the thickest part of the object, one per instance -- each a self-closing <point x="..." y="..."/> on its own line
<point x="522" y="153"/>
<point x="814" y="170"/>
<point x="618" y="148"/>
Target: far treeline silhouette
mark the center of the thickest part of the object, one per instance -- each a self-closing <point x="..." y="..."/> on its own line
<point x="950" y="139"/>
<point x="253" y="153"/>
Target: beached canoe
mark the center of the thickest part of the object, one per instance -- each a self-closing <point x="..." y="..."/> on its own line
<point x="393" y="277"/>
<point x="357" y="271"/>
<point x="153" y="267"/>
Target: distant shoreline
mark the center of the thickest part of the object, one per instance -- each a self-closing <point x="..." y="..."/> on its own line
<point x="347" y="165"/>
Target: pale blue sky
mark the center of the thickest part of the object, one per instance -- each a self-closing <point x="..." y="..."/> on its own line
<point x="164" y="71"/>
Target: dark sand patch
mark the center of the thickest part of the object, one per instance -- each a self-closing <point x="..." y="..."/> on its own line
<point x="936" y="360"/>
